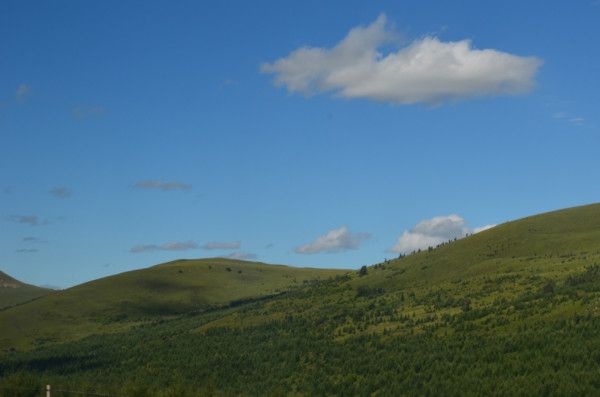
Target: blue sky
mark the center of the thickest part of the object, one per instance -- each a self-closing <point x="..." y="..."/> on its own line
<point x="133" y="134"/>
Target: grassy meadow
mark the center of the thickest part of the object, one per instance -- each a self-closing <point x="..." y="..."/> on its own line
<point x="14" y="292"/>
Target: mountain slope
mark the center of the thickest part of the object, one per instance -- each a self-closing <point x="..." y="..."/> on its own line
<point x="512" y="311"/>
<point x="120" y="301"/>
<point x="554" y="243"/>
<point x="13" y="292"/>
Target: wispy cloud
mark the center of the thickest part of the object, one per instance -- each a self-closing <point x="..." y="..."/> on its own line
<point x="31" y="220"/>
<point x="61" y="192"/>
<point x="434" y="231"/>
<point x="216" y="245"/>
<point x="26" y="250"/>
<point x="241" y="255"/>
<point x="32" y="240"/>
<point x="22" y="92"/>
<point x="161" y="185"/>
<point x="559" y="115"/>
<point x="336" y="240"/>
<point x="228" y="83"/>
<point x="565" y="111"/>
<point x="34" y="220"/>
<point x="578" y="121"/>
<point x="173" y="246"/>
<point x="428" y="70"/>
<point x="84" y="112"/>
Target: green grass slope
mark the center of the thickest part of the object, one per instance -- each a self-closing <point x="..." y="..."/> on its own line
<point x="511" y="311"/>
<point x="551" y="244"/>
<point x="118" y="302"/>
<point x="13" y="292"/>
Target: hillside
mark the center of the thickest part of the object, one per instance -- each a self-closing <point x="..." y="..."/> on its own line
<point x="514" y="310"/>
<point x="13" y="292"/>
<point x="132" y="298"/>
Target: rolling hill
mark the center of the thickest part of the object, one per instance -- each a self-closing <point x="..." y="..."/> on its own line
<point x="514" y="310"/>
<point x="13" y="292"/>
<point x="118" y="302"/>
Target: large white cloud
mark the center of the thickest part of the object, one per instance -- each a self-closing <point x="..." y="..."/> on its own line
<point x="335" y="240"/>
<point x="434" y="231"/>
<point x="427" y="70"/>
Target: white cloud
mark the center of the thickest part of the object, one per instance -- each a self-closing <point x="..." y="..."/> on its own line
<point x="216" y="245"/>
<point x="434" y="231"/>
<point x="174" y="246"/>
<point x="164" y="186"/>
<point x="427" y="70"/>
<point x="335" y="240"/>
<point x="241" y="255"/>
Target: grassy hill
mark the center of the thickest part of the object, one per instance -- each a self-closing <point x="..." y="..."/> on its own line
<point x="118" y="302"/>
<point x="514" y="310"/>
<point x="13" y="292"/>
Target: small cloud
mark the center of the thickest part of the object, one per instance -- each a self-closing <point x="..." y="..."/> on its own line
<point x="215" y="245"/>
<point x="31" y="220"/>
<point x="22" y="92"/>
<point x="175" y="246"/>
<point x="241" y="255"/>
<point x="559" y="115"/>
<point x="434" y="231"/>
<point x="427" y="70"/>
<point x="84" y="112"/>
<point x="160" y="185"/>
<point x="578" y="121"/>
<point x="575" y="120"/>
<point x="32" y="240"/>
<point x="61" y="192"/>
<point x="336" y="240"/>
<point x="228" y="82"/>
<point x="26" y="250"/>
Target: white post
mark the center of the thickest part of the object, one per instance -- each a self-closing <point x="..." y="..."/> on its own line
<point x="48" y="391"/>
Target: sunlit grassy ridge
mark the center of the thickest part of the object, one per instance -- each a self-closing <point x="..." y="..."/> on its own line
<point x="514" y="310"/>
<point x="14" y="292"/>
<point x="118" y="302"/>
